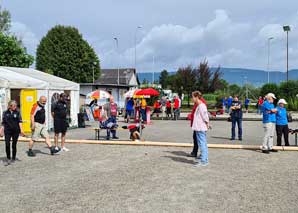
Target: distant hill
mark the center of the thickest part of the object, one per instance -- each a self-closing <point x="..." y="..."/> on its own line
<point x="239" y="76"/>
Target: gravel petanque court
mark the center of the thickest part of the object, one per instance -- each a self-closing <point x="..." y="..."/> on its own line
<point x="101" y="178"/>
<point x="180" y="132"/>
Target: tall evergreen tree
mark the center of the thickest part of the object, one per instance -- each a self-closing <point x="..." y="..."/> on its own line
<point x="64" y="53"/>
<point x="164" y="79"/>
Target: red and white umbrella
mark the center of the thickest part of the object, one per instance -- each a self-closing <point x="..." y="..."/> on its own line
<point x="99" y="95"/>
<point x="130" y="93"/>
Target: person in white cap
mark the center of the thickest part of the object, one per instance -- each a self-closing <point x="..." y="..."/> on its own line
<point x="282" y="123"/>
<point x="269" y="120"/>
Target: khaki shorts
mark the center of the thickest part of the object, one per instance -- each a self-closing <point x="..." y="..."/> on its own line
<point x="40" y="131"/>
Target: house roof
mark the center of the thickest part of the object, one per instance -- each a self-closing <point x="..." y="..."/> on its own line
<point x="110" y="77"/>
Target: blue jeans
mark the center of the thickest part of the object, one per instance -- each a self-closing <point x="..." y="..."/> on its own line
<point x="143" y="114"/>
<point x="237" y="121"/>
<point x="202" y="143"/>
<point x="176" y="114"/>
<point x="259" y="109"/>
<point x="109" y="131"/>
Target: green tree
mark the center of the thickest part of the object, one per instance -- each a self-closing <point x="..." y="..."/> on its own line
<point x="12" y="53"/>
<point x="216" y="83"/>
<point x="224" y="84"/>
<point x="289" y="89"/>
<point x="5" y="21"/>
<point x="234" y="89"/>
<point x="204" y="74"/>
<point x="164" y="79"/>
<point x="172" y="82"/>
<point x="266" y="88"/>
<point x="208" y="81"/>
<point x="185" y="81"/>
<point x="145" y="81"/>
<point x="64" y="53"/>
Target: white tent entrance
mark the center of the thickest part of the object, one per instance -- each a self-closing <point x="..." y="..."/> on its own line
<point x="22" y="84"/>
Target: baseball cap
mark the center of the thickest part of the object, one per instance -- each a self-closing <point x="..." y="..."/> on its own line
<point x="271" y="95"/>
<point x="282" y="101"/>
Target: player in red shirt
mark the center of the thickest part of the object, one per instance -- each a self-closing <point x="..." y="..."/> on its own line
<point x="169" y="108"/>
<point x="176" y="107"/>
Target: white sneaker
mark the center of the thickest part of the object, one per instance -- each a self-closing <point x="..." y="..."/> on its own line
<point x="199" y="164"/>
<point x="57" y="150"/>
<point x="64" y="149"/>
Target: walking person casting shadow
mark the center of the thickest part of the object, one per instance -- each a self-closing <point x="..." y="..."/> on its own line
<point x="11" y="129"/>
<point x="200" y="126"/>
<point x="38" y="126"/>
<point x="59" y="113"/>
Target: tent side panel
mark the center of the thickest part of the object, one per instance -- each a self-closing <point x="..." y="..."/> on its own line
<point x="75" y="107"/>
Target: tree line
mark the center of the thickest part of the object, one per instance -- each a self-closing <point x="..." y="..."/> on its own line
<point x="190" y="78"/>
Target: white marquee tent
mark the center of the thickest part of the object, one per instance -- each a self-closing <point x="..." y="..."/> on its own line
<point x="12" y="78"/>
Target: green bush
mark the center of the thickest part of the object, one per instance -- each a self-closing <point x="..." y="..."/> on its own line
<point x="270" y="88"/>
<point x="293" y="104"/>
<point x="289" y="89"/>
<point x="210" y="97"/>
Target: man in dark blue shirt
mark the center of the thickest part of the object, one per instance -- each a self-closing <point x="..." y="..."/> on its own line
<point x="236" y="116"/>
<point x="59" y="113"/>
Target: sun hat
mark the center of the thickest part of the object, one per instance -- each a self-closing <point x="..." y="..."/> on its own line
<point x="282" y="101"/>
<point x="271" y="95"/>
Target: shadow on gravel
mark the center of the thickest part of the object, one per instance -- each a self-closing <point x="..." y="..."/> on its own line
<point x="180" y="159"/>
<point x="219" y="137"/>
<point x="37" y="152"/>
<point x="179" y="153"/>
<point x="3" y="159"/>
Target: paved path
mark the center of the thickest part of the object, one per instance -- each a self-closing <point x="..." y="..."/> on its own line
<point x="97" y="178"/>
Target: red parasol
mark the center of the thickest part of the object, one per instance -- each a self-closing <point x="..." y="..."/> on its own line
<point x="147" y="92"/>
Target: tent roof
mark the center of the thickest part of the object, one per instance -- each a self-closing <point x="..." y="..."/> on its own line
<point x="14" y="77"/>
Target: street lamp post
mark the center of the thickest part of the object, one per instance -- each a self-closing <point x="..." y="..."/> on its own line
<point x="138" y="27"/>
<point x="94" y="65"/>
<point x="287" y="29"/>
<point x="153" y="69"/>
<point x="118" y="78"/>
<point x="268" y="64"/>
<point x="117" y="46"/>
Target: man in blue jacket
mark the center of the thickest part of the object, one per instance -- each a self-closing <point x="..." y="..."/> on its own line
<point x="269" y="120"/>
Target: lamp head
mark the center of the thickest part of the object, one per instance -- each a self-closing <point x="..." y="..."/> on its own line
<point x="287" y="28"/>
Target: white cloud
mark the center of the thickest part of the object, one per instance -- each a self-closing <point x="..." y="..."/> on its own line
<point x="23" y="32"/>
<point x="176" y="45"/>
<point x="271" y="30"/>
<point x="221" y="41"/>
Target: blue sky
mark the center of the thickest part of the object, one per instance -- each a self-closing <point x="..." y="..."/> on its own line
<point x="174" y="33"/>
